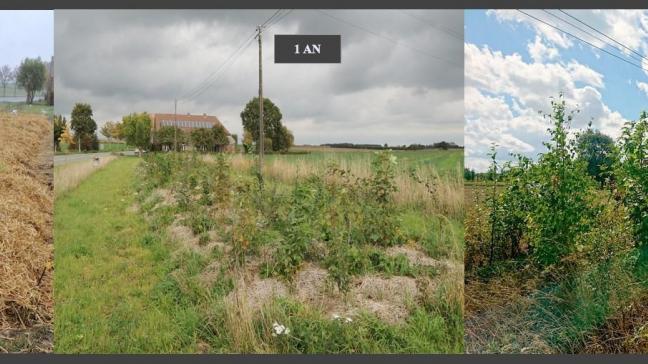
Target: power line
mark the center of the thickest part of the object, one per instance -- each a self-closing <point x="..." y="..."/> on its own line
<point x="582" y="40"/>
<point x="394" y="41"/>
<point x="588" y="33"/>
<point x="215" y="75"/>
<point x="270" y="18"/>
<point x="603" y="34"/>
<point x="190" y="94"/>
<point x="279" y="19"/>
<point x="449" y="32"/>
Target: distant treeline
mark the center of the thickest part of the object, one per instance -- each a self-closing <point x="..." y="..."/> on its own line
<point x="439" y="145"/>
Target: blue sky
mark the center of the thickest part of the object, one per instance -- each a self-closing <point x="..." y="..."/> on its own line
<point x="26" y="34"/>
<point x="515" y="63"/>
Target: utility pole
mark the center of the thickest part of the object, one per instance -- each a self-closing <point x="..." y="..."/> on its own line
<point x="175" y="125"/>
<point x="261" y="133"/>
<point x="79" y="138"/>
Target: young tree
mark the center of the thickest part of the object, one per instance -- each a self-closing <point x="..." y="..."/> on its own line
<point x="31" y="76"/>
<point x="60" y="125"/>
<point x="137" y="130"/>
<point x="632" y="170"/>
<point x="84" y="126"/>
<point x="6" y="76"/>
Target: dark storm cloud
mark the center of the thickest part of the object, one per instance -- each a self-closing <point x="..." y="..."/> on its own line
<point x="400" y="80"/>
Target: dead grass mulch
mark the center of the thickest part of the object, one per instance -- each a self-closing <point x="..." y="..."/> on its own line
<point x="25" y="222"/>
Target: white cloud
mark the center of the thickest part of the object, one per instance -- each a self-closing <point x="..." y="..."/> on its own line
<point x="550" y="34"/>
<point x="506" y="96"/>
<point x="643" y="86"/>
<point x="540" y="52"/>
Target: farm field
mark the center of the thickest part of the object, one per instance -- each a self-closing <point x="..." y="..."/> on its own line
<point x="336" y="251"/>
<point x="25" y="233"/>
<point x="556" y="262"/>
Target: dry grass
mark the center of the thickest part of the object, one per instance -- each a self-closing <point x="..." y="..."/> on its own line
<point x="25" y="221"/>
<point x="69" y="176"/>
<point x="626" y="332"/>
<point x="445" y="196"/>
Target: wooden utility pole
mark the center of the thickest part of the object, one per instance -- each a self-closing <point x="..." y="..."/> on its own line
<point x="175" y="125"/>
<point x="261" y="133"/>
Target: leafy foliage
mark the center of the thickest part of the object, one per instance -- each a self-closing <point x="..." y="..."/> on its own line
<point x="281" y="139"/>
<point x="632" y="169"/>
<point x="31" y="76"/>
<point x="137" y="130"/>
<point x="84" y="127"/>
<point x="596" y="149"/>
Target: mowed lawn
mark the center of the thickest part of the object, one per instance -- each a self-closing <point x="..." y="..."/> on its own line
<point x="109" y="272"/>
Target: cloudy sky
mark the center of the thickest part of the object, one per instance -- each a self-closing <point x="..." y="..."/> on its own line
<point x="400" y="80"/>
<point x="515" y="63"/>
<point x="26" y="34"/>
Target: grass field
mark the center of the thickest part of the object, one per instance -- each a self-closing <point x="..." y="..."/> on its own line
<point x="22" y="108"/>
<point x="141" y="269"/>
<point x="69" y="176"/>
<point x="109" y="273"/>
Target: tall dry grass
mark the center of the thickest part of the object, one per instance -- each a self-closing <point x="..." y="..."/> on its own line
<point x="25" y="221"/>
<point x="444" y="195"/>
<point x="69" y="176"/>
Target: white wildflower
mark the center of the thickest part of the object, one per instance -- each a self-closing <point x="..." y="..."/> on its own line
<point x="278" y="329"/>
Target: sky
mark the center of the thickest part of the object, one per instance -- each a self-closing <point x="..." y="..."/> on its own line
<point x="514" y="64"/>
<point x="24" y="34"/>
<point x="400" y="80"/>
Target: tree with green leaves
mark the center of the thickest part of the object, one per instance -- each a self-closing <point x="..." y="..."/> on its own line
<point x="84" y="126"/>
<point x="219" y="135"/>
<point x="272" y="126"/>
<point x="202" y="139"/>
<point x="137" y="130"/>
<point x="597" y="150"/>
<point x="632" y="171"/>
<point x="31" y="76"/>
<point x="60" y="124"/>
<point x="168" y="136"/>
<point x="564" y="205"/>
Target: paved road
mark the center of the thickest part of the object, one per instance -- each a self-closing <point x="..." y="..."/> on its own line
<point x="69" y="158"/>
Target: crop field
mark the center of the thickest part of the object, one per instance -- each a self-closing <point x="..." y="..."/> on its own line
<point x="556" y="261"/>
<point x="330" y="252"/>
<point x="25" y="232"/>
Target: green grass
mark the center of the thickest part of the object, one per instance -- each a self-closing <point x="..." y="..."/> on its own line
<point x="108" y="270"/>
<point x="114" y="147"/>
<point x="23" y="108"/>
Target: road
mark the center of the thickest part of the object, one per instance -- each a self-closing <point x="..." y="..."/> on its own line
<point x="69" y="158"/>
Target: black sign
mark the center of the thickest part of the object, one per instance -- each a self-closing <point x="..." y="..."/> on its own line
<point x="307" y="48"/>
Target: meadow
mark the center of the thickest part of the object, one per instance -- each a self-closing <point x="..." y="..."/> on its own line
<point x="327" y="253"/>
<point x="556" y="261"/>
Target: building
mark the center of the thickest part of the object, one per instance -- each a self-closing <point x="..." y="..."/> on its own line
<point x="188" y="123"/>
